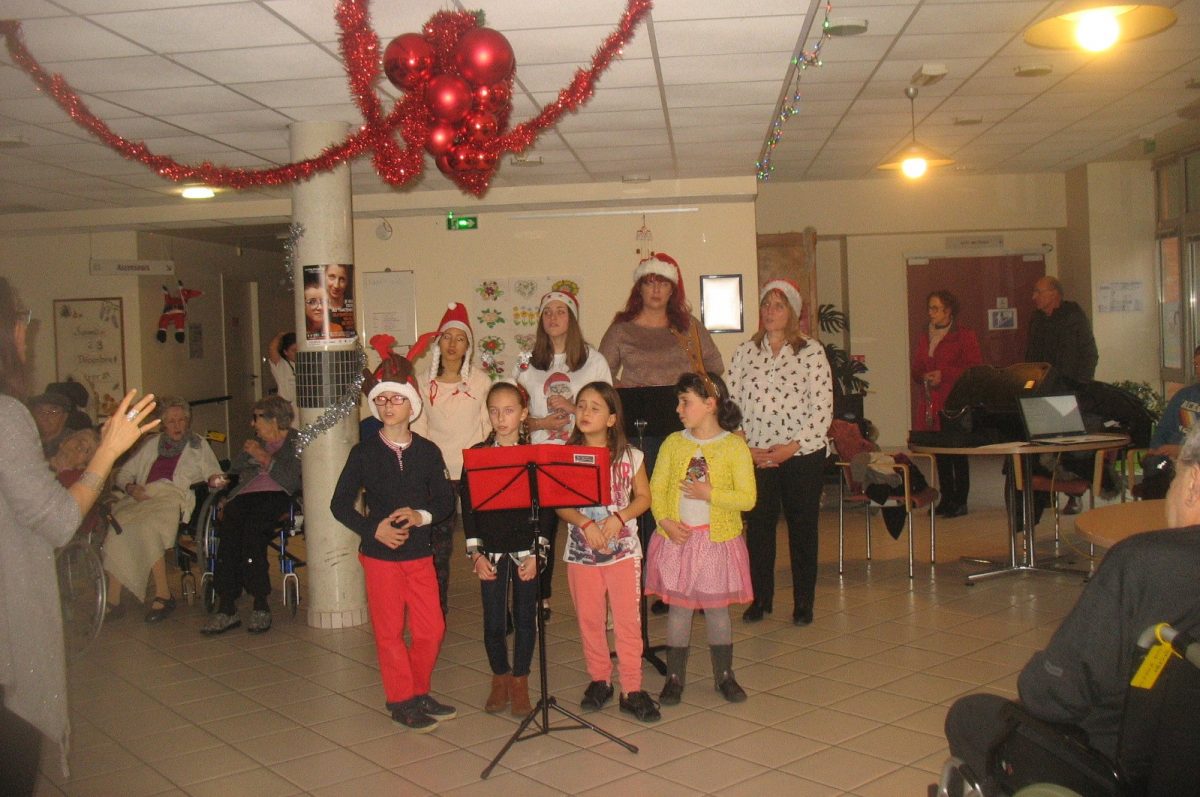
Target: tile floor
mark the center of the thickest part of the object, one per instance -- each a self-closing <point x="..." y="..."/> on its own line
<point x="852" y="705"/>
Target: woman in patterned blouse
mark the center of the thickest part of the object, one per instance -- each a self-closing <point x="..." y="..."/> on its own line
<point x="780" y="378"/>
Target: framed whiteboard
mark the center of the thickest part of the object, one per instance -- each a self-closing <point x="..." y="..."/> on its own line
<point x="389" y="306"/>
<point x="89" y="347"/>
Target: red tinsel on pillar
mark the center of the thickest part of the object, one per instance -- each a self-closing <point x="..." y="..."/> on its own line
<point x="410" y="116"/>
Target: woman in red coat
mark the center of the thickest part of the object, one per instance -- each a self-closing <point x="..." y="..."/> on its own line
<point x="944" y="352"/>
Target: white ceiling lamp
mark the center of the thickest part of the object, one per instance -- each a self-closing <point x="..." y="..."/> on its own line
<point x="1097" y="26"/>
<point x="197" y="192"/>
<point x="846" y="27"/>
<point x="928" y="74"/>
<point x="914" y="159"/>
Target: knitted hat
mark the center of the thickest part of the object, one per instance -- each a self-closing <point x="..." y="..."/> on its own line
<point x="790" y="291"/>
<point x="394" y="375"/>
<point x="560" y="296"/>
<point x="455" y="317"/>
<point x="661" y="264"/>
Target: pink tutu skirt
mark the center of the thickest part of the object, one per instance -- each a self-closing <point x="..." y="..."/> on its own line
<point x="700" y="574"/>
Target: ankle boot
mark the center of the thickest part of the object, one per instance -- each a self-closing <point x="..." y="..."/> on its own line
<point x="723" y="680"/>
<point x="498" y="698"/>
<point x="672" y="691"/>
<point x="520" y="696"/>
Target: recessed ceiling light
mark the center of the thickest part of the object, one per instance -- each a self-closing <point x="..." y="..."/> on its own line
<point x="846" y="27"/>
<point x="1033" y="70"/>
<point x="13" y="142"/>
<point x="197" y="192"/>
<point x="635" y="178"/>
<point x="521" y="159"/>
<point x="967" y="121"/>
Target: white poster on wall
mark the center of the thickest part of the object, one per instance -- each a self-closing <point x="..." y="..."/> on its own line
<point x="504" y="317"/>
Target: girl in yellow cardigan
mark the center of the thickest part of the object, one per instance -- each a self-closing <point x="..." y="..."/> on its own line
<point x="702" y="482"/>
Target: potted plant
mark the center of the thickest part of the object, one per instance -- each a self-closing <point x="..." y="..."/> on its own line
<point x="848" y="385"/>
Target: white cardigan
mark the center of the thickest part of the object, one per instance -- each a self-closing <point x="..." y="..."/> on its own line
<point x="196" y="464"/>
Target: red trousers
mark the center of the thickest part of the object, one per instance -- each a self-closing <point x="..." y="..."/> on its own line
<point x="392" y="589"/>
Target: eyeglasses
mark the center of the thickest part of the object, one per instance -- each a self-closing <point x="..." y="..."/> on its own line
<point x="395" y="398"/>
<point x="314" y="302"/>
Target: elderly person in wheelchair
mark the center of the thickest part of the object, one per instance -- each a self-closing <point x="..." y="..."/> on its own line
<point x="157" y="481"/>
<point x="1081" y="681"/>
<point x="264" y="477"/>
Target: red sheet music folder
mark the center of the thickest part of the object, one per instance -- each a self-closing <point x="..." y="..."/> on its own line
<point x="567" y="476"/>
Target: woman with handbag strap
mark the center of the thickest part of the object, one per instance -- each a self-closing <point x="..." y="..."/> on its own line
<point x="943" y="353"/>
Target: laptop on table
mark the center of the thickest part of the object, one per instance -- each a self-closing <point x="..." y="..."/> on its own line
<point x="1056" y="420"/>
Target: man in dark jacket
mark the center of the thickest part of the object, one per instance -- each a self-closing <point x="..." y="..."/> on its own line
<point x="1060" y="334"/>
<point x="1082" y="676"/>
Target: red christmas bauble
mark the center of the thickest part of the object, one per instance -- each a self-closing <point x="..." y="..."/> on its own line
<point x="448" y="97"/>
<point x="443" y="163"/>
<point x="462" y="159"/>
<point x="483" y="160"/>
<point x="481" y="126"/>
<point x="483" y="56"/>
<point x="408" y="61"/>
<point x="441" y="138"/>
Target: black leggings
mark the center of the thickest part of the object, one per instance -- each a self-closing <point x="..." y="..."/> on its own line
<point x="246" y="526"/>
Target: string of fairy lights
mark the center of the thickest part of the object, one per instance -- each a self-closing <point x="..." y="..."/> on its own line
<point x="802" y="62"/>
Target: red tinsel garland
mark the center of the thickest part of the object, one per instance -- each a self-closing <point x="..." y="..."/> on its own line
<point x="360" y="52"/>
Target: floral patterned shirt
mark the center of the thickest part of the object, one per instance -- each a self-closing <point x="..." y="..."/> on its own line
<point x="628" y="545"/>
<point x="784" y="398"/>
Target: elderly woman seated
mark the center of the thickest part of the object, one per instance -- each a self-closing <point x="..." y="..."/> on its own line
<point x="267" y="473"/>
<point x="156" y="479"/>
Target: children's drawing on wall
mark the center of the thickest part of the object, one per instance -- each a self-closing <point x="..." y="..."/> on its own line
<point x="504" y="313"/>
<point x="89" y="344"/>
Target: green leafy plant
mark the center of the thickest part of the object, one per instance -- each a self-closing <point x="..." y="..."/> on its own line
<point x="846" y="371"/>
<point x="1151" y="399"/>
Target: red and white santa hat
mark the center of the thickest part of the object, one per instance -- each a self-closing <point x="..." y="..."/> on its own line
<point x="661" y="264"/>
<point x="455" y="317"/>
<point x="790" y="291"/>
<point x="394" y="375"/>
<point x="566" y="298"/>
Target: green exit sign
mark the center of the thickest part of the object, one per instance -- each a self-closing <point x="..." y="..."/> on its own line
<point x="461" y="222"/>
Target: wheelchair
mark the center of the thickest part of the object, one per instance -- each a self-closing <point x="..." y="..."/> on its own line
<point x="204" y="530"/>
<point x="1158" y="752"/>
<point x="82" y="582"/>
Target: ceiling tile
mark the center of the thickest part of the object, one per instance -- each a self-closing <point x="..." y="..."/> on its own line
<point x="194" y="28"/>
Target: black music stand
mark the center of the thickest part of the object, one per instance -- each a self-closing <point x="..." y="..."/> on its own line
<point x="539" y="477"/>
<point x="649" y="411"/>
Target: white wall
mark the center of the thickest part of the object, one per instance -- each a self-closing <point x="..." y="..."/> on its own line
<point x="42" y="268"/>
<point x="885" y="220"/>
<point x="1122" y="249"/>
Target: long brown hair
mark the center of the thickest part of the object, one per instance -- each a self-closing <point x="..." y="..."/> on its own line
<point x="679" y="312"/>
<point x="616" y="433"/>
<point x="792" y="333"/>
<point x="12" y="368"/>
<point x="575" y="347"/>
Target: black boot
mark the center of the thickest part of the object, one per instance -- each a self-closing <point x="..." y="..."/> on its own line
<point x="672" y="691"/>
<point x="722" y="661"/>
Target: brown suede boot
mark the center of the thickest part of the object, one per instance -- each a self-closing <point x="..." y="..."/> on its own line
<point x="498" y="697"/>
<point x="520" y="696"/>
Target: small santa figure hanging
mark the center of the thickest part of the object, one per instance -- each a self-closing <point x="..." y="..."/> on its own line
<point x="174" y="314"/>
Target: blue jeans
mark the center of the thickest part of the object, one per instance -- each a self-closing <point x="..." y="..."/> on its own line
<point x="495" y="620"/>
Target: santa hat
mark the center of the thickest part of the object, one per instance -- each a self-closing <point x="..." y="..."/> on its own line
<point x="560" y="296"/>
<point x="661" y="265"/>
<point x="455" y="317"/>
<point x="790" y="291"/>
<point x="394" y="375"/>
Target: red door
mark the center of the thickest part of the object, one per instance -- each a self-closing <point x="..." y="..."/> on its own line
<point x="982" y="285"/>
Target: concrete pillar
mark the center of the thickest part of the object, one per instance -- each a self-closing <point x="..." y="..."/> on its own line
<point x="336" y="595"/>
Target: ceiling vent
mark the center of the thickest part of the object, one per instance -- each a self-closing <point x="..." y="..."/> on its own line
<point x="929" y="74"/>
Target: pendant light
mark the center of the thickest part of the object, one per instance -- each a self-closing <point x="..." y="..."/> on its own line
<point x="1097" y="26"/>
<point x="915" y="158"/>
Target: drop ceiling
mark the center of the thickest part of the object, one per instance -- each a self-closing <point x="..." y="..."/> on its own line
<point x="694" y="95"/>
